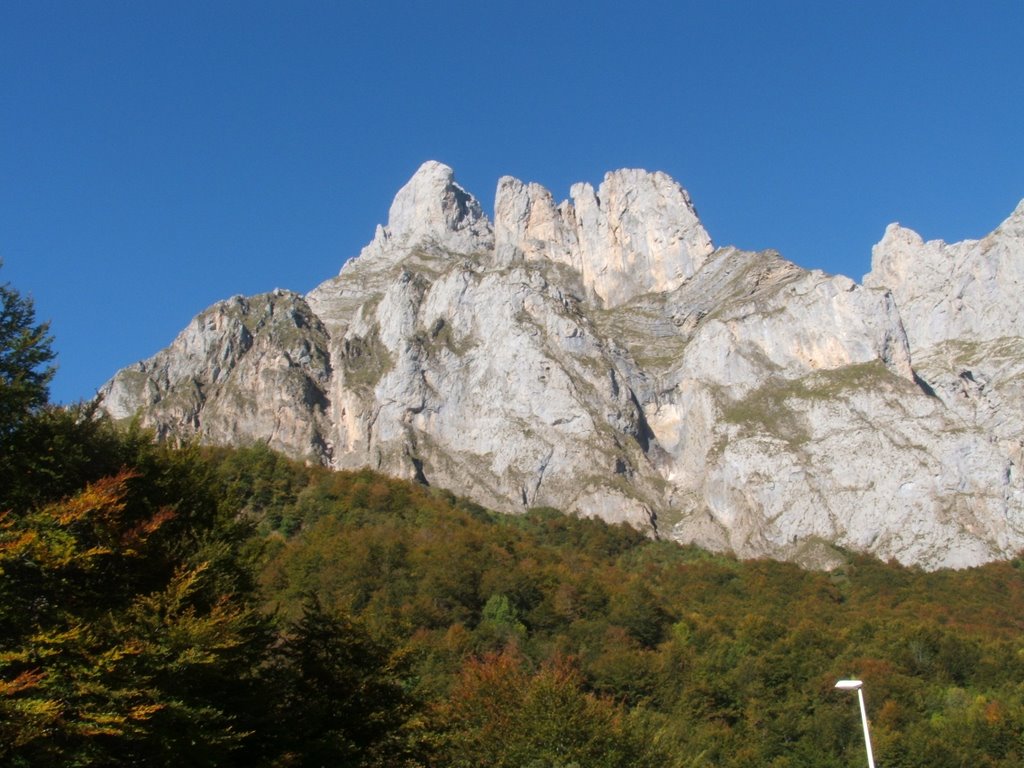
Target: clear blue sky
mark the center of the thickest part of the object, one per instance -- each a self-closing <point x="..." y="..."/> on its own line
<point x="157" y="157"/>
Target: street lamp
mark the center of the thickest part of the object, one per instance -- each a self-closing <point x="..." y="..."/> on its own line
<point x="858" y="685"/>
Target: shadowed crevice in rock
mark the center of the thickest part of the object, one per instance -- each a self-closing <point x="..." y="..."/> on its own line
<point x="924" y="385"/>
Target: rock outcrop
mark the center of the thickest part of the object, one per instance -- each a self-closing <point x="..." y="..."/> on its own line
<point x="638" y="233"/>
<point x="246" y="368"/>
<point x="968" y="291"/>
<point x="433" y="213"/>
<point x="962" y="308"/>
<point x="599" y="355"/>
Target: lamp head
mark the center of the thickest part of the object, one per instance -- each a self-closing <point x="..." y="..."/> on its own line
<point x="849" y="685"/>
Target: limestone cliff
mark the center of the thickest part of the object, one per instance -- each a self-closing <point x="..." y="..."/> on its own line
<point x="601" y="356"/>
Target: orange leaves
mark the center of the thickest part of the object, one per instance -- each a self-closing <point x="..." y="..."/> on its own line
<point x="76" y="531"/>
<point x="109" y="616"/>
<point x="102" y="500"/>
<point x="62" y="534"/>
<point x="490" y="689"/>
<point x="23" y="682"/>
<point x="994" y="713"/>
<point x="142" y="712"/>
<point x="138" y="534"/>
<point x="13" y="543"/>
<point x="503" y="713"/>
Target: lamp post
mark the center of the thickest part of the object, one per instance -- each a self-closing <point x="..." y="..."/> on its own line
<point x="858" y="685"/>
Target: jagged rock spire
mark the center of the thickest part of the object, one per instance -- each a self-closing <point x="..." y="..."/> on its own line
<point x="638" y="233"/>
<point x="432" y="212"/>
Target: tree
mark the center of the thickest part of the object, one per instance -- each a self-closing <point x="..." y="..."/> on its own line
<point x="342" y="701"/>
<point x="25" y="356"/>
<point x="129" y="632"/>
<point x="638" y="611"/>
<point x="499" y="624"/>
<point x="504" y="715"/>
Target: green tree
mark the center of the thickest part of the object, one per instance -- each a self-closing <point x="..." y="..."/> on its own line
<point x="25" y="357"/>
<point x="55" y="452"/>
<point x="341" y="697"/>
<point x="638" y="610"/>
<point x="499" y="624"/>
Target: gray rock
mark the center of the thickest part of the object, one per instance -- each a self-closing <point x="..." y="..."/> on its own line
<point x="638" y="233"/>
<point x="246" y="369"/>
<point x="968" y="291"/>
<point x="600" y="356"/>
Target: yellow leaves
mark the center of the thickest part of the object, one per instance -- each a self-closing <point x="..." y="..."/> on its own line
<point x="38" y="709"/>
<point x="203" y="638"/>
<point x="110" y="657"/>
<point x="69" y="533"/>
<point x="180" y="631"/>
<point x="25" y="709"/>
<point x="40" y="646"/>
<point x="171" y="603"/>
<point x="120" y="637"/>
<point x="101" y="724"/>
<point x="23" y="720"/>
<point x="75" y="665"/>
<point x="76" y="532"/>
<point x="16" y="544"/>
<point x="143" y="712"/>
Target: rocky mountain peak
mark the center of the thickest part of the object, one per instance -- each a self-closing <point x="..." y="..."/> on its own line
<point x="432" y="212"/>
<point x="1014" y="224"/>
<point x="598" y="355"/>
<point x="637" y="233"/>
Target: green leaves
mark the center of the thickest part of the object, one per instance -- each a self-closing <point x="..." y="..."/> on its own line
<point x="414" y="630"/>
<point x="342" y="700"/>
<point x="524" y="630"/>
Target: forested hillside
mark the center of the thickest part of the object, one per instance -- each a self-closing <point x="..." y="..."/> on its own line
<point x="166" y="606"/>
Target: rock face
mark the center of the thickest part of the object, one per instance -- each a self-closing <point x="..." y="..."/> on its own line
<point x="964" y="291"/>
<point x="638" y="233"/>
<point x="599" y="355"/>
<point x="242" y="368"/>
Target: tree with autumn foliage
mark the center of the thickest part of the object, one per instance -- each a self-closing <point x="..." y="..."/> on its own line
<point x="167" y="607"/>
<point x="129" y="629"/>
<point x="119" y="645"/>
<point x="502" y="713"/>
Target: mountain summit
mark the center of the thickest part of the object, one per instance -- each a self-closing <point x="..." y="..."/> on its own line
<point x="601" y="356"/>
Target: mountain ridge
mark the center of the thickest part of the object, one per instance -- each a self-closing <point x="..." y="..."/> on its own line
<point x="602" y="356"/>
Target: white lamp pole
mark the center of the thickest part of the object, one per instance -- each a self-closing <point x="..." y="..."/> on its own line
<point x="858" y="685"/>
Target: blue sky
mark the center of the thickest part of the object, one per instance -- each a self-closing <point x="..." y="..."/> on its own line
<point x="156" y="157"/>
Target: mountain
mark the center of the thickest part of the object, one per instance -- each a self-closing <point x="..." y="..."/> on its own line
<point x="602" y="356"/>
